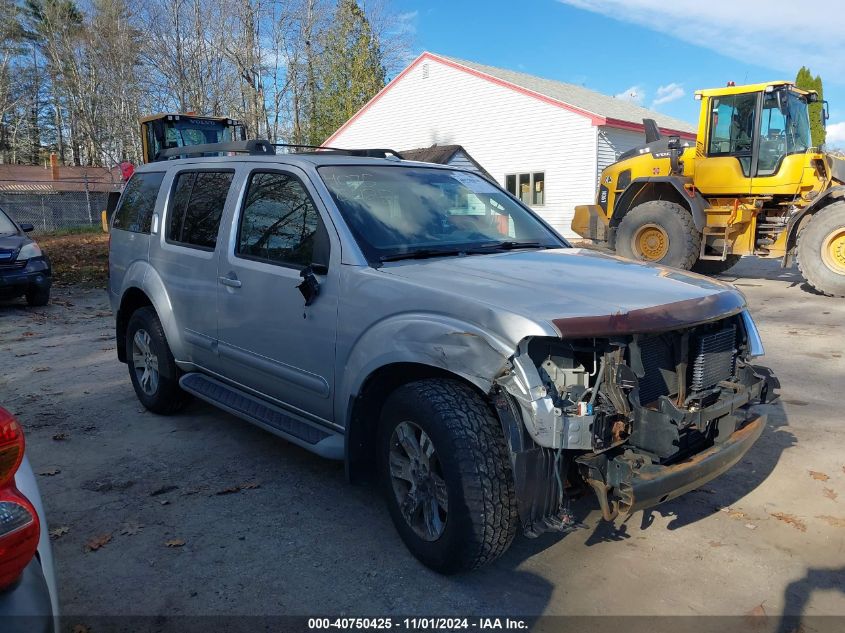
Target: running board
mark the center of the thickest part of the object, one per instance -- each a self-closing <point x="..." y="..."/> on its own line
<point x="270" y="417"/>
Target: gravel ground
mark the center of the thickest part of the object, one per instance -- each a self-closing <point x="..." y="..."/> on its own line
<point x="200" y="513"/>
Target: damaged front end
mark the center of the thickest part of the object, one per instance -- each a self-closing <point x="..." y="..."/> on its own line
<point x="639" y="411"/>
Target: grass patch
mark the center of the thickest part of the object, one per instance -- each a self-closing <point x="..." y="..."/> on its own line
<point x="79" y="258"/>
<point x="74" y="230"/>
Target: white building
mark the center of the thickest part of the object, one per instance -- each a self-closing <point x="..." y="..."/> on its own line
<point x="543" y="140"/>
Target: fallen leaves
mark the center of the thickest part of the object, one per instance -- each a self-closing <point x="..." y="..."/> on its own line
<point x="174" y="542"/>
<point x="59" y="532"/>
<point x="131" y="529"/>
<point x="49" y="472"/>
<point x="757" y="617"/>
<point x="830" y="493"/>
<point x="832" y="521"/>
<point x="250" y="485"/>
<point x="61" y="437"/>
<point x="97" y="542"/>
<point x="790" y="519"/>
<point x="40" y="369"/>
<point x="818" y="476"/>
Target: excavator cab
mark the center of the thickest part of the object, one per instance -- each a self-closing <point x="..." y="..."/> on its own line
<point x="168" y="131"/>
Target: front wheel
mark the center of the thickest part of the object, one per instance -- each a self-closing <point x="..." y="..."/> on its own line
<point x="821" y="250"/>
<point x="37" y="297"/>
<point x="446" y="473"/>
<point x="152" y="369"/>
<point x="659" y="232"/>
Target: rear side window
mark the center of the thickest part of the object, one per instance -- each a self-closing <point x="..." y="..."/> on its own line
<point x="137" y="203"/>
<point x="197" y="206"/>
<point x="279" y="223"/>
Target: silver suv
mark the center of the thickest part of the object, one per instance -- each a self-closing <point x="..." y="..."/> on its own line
<point x="423" y="325"/>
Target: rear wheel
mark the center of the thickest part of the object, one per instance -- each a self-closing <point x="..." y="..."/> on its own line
<point x="446" y="473"/>
<point x="715" y="266"/>
<point x="152" y="369"/>
<point x="660" y="232"/>
<point x="821" y="250"/>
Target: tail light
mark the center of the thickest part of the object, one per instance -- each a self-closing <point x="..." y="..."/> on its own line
<point x="19" y="524"/>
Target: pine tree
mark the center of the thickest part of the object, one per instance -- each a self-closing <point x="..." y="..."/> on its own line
<point x="352" y="70"/>
<point x="806" y="81"/>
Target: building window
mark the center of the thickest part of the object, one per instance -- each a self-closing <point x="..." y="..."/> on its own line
<point x="530" y="187"/>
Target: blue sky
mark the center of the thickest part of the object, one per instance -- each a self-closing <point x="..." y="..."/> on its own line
<point x="652" y="51"/>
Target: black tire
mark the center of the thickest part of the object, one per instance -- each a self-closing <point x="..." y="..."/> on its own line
<point x="166" y="397"/>
<point x="715" y="266"/>
<point x="677" y="224"/>
<point x="38" y="297"/>
<point x="474" y="461"/>
<point x="820" y="274"/>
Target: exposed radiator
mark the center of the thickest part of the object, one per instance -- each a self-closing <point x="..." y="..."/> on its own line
<point x="658" y="361"/>
<point x="714" y="358"/>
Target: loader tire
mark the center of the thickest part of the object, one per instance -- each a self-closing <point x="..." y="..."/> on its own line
<point x="821" y="250"/>
<point x="447" y="476"/>
<point x="659" y="232"/>
<point x="715" y="266"/>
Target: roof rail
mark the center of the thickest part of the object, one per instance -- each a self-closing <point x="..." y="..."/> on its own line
<point x="253" y="147"/>
<point x="368" y="153"/>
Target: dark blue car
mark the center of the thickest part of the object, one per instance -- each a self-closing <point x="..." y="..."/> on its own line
<point x="24" y="269"/>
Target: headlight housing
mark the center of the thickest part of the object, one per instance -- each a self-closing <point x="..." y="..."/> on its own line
<point x="29" y="250"/>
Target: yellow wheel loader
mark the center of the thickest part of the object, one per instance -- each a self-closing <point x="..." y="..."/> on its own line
<point x="752" y="185"/>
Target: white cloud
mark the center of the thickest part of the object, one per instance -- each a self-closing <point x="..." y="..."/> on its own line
<point x="667" y="94"/>
<point x="634" y="94"/>
<point x="406" y="23"/>
<point x="778" y="35"/>
<point x="835" y="135"/>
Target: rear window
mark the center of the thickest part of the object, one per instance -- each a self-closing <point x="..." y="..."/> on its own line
<point x="196" y="207"/>
<point x="137" y="203"/>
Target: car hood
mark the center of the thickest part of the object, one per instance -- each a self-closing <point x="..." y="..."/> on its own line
<point x="580" y="292"/>
<point x="11" y="242"/>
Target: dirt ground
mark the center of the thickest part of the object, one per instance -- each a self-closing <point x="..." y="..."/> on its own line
<point x="201" y="513"/>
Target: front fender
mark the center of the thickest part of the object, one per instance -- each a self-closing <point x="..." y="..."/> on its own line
<point x="645" y="189"/>
<point x="461" y="348"/>
<point x="795" y="222"/>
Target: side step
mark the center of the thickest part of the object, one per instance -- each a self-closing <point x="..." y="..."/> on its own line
<point x="268" y="416"/>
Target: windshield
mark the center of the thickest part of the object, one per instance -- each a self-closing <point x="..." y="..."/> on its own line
<point x="7" y="227"/>
<point x="396" y="212"/>
<point x="784" y="129"/>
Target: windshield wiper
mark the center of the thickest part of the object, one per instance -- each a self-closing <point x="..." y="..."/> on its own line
<point x="422" y="253"/>
<point x="506" y="246"/>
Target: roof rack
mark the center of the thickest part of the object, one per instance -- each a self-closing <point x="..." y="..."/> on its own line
<point x="320" y="149"/>
<point x="259" y="147"/>
<point x="254" y="147"/>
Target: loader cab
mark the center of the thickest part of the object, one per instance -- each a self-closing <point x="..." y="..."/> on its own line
<point x="752" y="139"/>
<point x="167" y="131"/>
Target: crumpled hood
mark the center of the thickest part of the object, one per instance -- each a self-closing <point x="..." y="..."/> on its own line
<point x="581" y="292"/>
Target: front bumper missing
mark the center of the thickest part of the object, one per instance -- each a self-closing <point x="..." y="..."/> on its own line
<point x="627" y="488"/>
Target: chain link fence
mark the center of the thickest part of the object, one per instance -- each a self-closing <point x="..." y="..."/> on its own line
<point x="54" y="211"/>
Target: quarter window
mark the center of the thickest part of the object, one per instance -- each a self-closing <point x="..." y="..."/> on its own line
<point x="197" y="206"/>
<point x="138" y="202"/>
<point x="279" y="223"/>
<point x="528" y="187"/>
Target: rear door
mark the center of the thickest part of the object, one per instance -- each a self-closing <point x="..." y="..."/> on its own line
<point x="129" y="238"/>
<point x="270" y="341"/>
<point x="186" y="257"/>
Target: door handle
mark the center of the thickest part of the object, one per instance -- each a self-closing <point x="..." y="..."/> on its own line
<point x="229" y="281"/>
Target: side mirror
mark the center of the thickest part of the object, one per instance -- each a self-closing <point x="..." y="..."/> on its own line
<point x="26" y="227"/>
<point x="825" y="113"/>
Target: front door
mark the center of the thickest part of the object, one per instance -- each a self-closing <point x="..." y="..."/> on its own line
<point x="727" y="164"/>
<point x="269" y="340"/>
